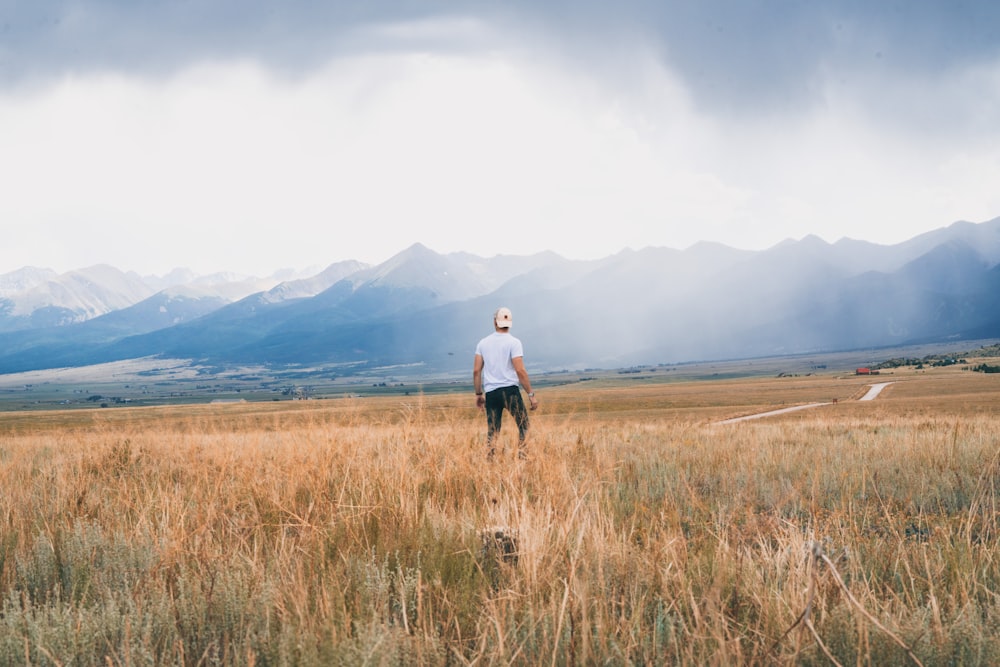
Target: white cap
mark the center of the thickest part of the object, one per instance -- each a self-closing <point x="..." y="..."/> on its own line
<point x="502" y="318"/>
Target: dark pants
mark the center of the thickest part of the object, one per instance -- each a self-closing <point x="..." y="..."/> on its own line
<point x="509" y="399"/>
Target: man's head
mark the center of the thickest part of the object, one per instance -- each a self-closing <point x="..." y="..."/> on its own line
<point x="502" y="318"/>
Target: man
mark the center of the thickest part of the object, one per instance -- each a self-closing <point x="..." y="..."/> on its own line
<point x="497" y="371"/>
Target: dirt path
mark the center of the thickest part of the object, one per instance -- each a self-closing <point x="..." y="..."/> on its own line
<point x="794" y="408"/>
<point x="874" y="391"/>
<point x="871" y="395"/>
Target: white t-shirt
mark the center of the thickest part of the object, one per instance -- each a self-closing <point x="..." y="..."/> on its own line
<point x="498" y="350"/>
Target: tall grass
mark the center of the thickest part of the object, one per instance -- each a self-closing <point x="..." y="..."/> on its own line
<point x="352" y="532"/>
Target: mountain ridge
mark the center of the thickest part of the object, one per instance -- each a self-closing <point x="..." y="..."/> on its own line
<point x="420" y="307"/>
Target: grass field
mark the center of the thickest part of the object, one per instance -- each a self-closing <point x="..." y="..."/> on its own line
<point x="640" y="531"/>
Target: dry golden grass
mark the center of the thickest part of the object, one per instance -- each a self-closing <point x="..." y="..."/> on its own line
<point x="350" y="531"/>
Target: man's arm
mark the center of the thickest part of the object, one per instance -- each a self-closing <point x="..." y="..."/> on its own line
<point x="522" y="376"/>
<point x="477" y="380"/>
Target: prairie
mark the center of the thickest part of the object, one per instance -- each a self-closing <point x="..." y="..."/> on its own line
<point x="372" y="531"/>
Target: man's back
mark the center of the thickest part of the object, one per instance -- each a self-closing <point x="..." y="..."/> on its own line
<point x="498" y="351"/>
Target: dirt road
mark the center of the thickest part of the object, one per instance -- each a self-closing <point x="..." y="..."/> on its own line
<point x="874" y="391"/>
<point x="870" y="395"/>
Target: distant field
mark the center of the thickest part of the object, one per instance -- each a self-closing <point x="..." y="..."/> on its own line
<point x="162" y="382"/>
<point x="349" y="529"/>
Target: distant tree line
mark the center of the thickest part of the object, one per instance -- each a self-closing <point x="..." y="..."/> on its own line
<point x="986" y="368"/>
<point x="933" y="360"/>
<point x="117" y="400"/>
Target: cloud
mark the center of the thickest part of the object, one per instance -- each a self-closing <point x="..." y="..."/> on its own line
<point x="751" y="49"/>
<point x="480" y="154"/>
<point x="251" y="137"/>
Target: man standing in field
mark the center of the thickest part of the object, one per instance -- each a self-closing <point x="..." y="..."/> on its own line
<point x="497" y="371"/>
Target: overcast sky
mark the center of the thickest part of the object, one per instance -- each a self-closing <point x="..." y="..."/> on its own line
<point x="251" y="136"/>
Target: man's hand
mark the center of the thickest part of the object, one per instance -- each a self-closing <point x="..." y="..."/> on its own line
<point x="533" y="401"/>
<point x="480" y="401"/>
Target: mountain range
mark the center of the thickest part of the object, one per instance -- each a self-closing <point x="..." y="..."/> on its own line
<point x="426" y="310"/>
